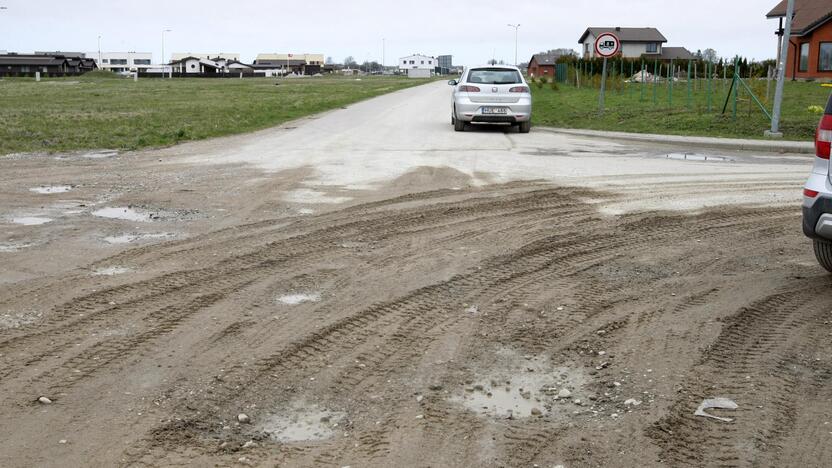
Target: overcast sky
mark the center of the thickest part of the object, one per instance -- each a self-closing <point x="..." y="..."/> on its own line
<point x="471" y="30"/>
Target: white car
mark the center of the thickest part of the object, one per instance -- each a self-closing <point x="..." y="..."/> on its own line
<point x="817" y="193"/>
<point x="492" y="94"/>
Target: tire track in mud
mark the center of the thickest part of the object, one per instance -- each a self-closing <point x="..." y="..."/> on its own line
<point x="750" y="363"/>
<point x="418" y="315"/>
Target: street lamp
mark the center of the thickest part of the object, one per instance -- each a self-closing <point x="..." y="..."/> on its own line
<point x="99" y="52"/>
<point x="164" y="67"/>
<point x="516" y="28"/>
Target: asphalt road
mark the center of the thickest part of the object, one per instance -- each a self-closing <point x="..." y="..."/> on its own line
<point x="371" y="288"/>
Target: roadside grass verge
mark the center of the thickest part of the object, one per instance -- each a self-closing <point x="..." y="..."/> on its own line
<point x="626" y="110"/>
<point x="102" y="111"/>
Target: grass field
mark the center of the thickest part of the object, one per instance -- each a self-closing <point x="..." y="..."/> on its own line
<point x="97" y="111"/>
<point x="627" y="111"/>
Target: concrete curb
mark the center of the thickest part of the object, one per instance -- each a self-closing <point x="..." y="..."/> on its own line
<point x="767" y="146"/>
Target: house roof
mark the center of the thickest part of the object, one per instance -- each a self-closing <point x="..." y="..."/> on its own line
<point x="545" y="59"/>
<point x="676" y="53"/>
<point x="808" y="14"/>
<point x="278" y="63"/>
<point x="627" y="34"/>
<point x="36" y="60"/>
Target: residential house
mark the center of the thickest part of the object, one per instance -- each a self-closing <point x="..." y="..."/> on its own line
<point x="284" y="64"/>
<point x="543" y="65"/>
<point x="175" y="57"/>
<point x="123" y="61"/>
<point x="24" y="64"/>
<point x="635" y="42"/>
<point x="47" y="64"/>
<point x="809" y="53"/>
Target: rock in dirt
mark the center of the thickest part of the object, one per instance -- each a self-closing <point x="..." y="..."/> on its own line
<point x="564" y="393"/>
<point x="44" y="400"/>
<point x="243" y="418"/>
<point x="632" y="402"/>
<point x="536" y="412"/>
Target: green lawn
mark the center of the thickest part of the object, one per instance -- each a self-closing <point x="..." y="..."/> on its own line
<point x="627" y="111"/>
<point x="103" y="112"/>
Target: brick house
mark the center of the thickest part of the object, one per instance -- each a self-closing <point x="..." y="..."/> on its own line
<point x="810" y="45"/>
<point x="543" y="65"/>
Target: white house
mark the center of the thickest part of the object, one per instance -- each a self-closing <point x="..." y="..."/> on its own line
<point x="123" y="61"/>
<point x="417" y="62"/>
<point x="175" y="57"/>
<point x="635" y="42"/>
<point x="197" y="65"/>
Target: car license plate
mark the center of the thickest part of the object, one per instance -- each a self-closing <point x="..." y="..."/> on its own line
<point x="494" y="110"/>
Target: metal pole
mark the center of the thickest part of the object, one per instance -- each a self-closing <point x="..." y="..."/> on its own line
<point x="516" y="28"/>
<point x="710" y="83"/>
<point x="781" y="75"/>
<point x="689" y="66"/>
<point x="164" y="63"/>
<point x="603" y="88"/>
<point x="642" y="80"/>
<point x="99" y="52"/>
<point x="671" y="75"/>
<point x="655" y="76"/>
<point x="736" y="86"/>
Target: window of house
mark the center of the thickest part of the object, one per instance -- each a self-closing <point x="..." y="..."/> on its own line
<point x="804" y="57"/>
<point x="825" y="57"/>
<point x="652" y="47"/>
<point x="105" y="61"/>
<point x="141" y="61"/>
<point x="118" y="61"/>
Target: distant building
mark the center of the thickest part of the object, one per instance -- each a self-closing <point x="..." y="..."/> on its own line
<point x="635" y="42"/>
<point x="284" y="64"/>
<point x="543" y="65"/>
<point x="445" y="61"/>
<point x="175" y="57"/>
<point x="809" y="53"/>
<point x="203" y="66"/>
<point x="676" y="53"/>
<point x="123" y="61"/>
<point x="29" y="64"/>
<point x="417" y="65"/>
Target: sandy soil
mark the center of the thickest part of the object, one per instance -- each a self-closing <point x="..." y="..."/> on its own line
<point x="518" y="301"/>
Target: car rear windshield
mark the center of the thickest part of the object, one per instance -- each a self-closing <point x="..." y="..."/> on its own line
<point x="494" y="76"/>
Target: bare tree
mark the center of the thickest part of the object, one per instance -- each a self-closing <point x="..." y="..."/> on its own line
<point x="710" y="55"/>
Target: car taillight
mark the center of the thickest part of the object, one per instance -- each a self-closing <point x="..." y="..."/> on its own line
<point x="809" y="193"/>
<point x="823" y="137"/>
<point x="519" y="89"/>
<point x="469" y="89"/>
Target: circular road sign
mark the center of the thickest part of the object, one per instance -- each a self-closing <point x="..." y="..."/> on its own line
<point x="607" y="45"/>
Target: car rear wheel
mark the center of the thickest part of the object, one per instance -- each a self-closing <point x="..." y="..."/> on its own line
<point x="459" y="125"/>
<point x="525" y="127"/>
<point x="823" y="252"/>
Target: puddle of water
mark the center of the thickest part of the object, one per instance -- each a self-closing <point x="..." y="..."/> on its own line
<point x="31" y="220"/>
<point x="48" y="190"/>
<point x="696" y="157"/>
<point x="111" y="271"/>
<point x="303" y="425"/>
<point x="295" y="299"/>
<point x="8" y="248"/>
<point x="17" y="320"/>
<point x="100" y="154"/>
<point x="127" y="214"/>
<point x="128" y="238"/>
<point x="531" y="388"/>
<point x="313" y="196"/>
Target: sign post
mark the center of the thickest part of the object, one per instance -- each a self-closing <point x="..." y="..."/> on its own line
<point x="606" y="46"/>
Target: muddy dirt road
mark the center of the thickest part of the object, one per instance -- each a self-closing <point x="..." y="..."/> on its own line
<point x="367" y="288"/>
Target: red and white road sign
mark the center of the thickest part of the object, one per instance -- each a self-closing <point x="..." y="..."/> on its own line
<point x="607" y="45"/>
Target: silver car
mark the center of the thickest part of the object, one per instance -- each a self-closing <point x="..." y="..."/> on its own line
<point x="817" y="193"/>
<point x="492" y="94"/>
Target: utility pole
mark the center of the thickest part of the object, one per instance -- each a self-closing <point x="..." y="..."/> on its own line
<point x="781" y="75"/>
<point x="164" y="63"/>
<point x="99" y="51"/>
<point x="383" y="54"/>
<point x="516" y="28"/>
